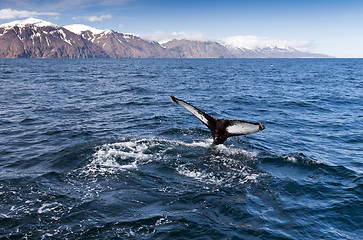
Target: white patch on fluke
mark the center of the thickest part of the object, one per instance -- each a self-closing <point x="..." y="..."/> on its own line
<point x="243" y="128"/>
<point x="193" y="110"/>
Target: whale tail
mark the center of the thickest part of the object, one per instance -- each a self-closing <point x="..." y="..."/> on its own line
<point x="221" y="128"/>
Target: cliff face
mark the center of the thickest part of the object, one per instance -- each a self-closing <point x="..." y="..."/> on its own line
<point x="45" y="42"/>
<point x="119" y="45"/>
<point x="34" y="38"/>
<point x="197" y="49"/>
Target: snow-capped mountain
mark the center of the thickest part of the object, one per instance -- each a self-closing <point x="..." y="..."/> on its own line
<point x="271" y="52"/>
<point x="197" y="49"/>
<point x="28" y="22"/>
<point x="85" y="31"/>
<point x="35" y="38"/>
<point x="120" y="45"/>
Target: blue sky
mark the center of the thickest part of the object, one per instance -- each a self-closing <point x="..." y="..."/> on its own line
<point x="333" y="27"/>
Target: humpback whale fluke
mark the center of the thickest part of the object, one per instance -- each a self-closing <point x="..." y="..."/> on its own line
<point x="221" y="128"/>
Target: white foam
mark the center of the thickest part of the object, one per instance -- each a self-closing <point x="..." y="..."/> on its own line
<point x="291" y="159"/>
<point x="224" y="166"/>
<point x="109" y="157"/>
<point x="49" y="207"/>
<point x="230" y="151"/>
<point x="222" y="149"/>
<point x="203" y="143"/>
<point x="201" y="176"/>
<point x="126" y="155"/>
<point x="163" y="221"/>
<point x="229" y="178"/>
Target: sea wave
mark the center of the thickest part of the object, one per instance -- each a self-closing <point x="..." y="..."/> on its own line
<point x="199" y="160"/>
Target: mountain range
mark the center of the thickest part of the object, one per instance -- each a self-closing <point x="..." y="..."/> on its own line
<point x="35" y="38"/>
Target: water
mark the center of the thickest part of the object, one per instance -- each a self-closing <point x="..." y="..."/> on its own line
<point x="95" y="149"/>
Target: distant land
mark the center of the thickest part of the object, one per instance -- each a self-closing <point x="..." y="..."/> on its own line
<point x="35" y="38"/>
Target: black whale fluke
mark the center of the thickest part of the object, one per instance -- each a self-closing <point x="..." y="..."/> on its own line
<point x="221" y="128"/>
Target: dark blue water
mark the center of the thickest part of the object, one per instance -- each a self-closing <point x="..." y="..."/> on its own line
<point x="95" y="149"/>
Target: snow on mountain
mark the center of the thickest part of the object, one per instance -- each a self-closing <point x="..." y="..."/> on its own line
<point x="37" y="38"/>
<point x="251" y="42"/>
<point x="79" y="28"/>
<point x="28" y="22"/>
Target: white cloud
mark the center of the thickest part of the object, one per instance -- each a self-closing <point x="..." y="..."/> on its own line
<point x="8" y="13"/>
<point x="250" y="42"/>
<point x="93" y="18"/>
<point x="62" y="5"/>
<point x="162" y="37"/>
<point x="97" y="18"/>
<point x="241" y="41"/>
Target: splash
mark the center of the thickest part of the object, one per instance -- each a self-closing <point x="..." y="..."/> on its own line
<point x="227" y="178"/>
<point x="120" y="156"/>
<point x="222" y="166"/>
<point x="198" y="160"/>
<point x="231" y="151"/>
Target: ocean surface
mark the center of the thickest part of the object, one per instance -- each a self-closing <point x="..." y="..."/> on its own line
<point x="95" y="149"/>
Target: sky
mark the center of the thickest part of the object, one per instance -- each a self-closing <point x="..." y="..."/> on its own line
<point x="332" y="27"/>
